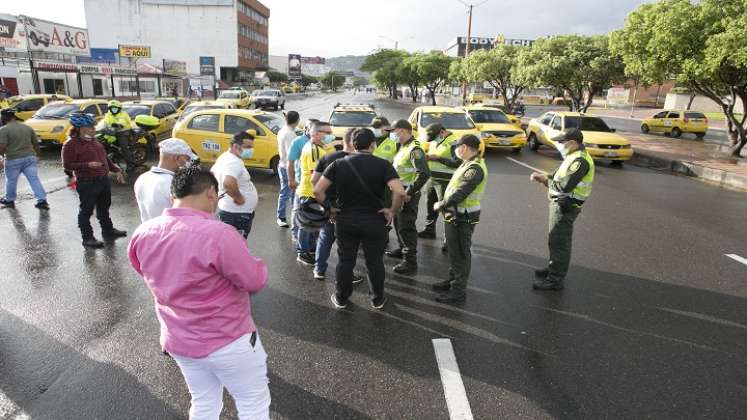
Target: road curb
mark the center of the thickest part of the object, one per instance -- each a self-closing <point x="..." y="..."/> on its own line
<point x="719" y="177"/>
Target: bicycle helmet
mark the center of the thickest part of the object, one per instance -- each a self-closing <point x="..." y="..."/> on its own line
<point x="79" y="119"/>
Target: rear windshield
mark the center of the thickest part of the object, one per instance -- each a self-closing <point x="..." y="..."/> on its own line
<point x="489" y="116"/>
<point x="230" y="95"/>
<point x="352" y="119"/>
<point x="449" y="120"/>
<point x="268" y="93"/>
<point x="587" y="124"/>
<point x="694" y="115"/>
<point x="56" y="111"/>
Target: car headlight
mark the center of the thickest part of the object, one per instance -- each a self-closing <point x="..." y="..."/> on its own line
<point x="58" y="129"/>
<point x="484" y="134"/>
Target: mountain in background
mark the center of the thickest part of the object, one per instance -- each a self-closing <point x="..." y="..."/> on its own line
<point x="347" y="63"/>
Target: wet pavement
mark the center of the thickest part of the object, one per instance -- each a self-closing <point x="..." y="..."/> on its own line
<point x="652" y="323"/>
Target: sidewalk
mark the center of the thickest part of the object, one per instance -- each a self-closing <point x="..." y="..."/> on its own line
<point x="643" y="113"/>
<point x="706" y="161"/>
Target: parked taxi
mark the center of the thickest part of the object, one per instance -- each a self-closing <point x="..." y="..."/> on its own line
<point x="496" y="129"/>
<point x="456" y="120"/>
<point x="51" y="124"/>
<point x="163" y="110"/>
<point x="27" y="105"/>
<point x="675" y="122"/>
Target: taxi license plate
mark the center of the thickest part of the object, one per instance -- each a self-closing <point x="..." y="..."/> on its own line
<point x="505" y="142"/>
<point x="611" y="154"/>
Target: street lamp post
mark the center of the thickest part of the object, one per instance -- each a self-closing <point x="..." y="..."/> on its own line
<point x="470" y="6"/>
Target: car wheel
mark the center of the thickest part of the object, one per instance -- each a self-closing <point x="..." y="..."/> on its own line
<point x="700" y="135"/>
<point x="533" y="143"/>
<point x="645" y="129"/>
<point x="282" y="106"/>
<point x="139" y="154"/>
<point x="676" y="132"/>
<point x="274" y="162"/>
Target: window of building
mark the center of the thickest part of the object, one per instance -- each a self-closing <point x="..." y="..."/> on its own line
<point x="98" y="87"/>
<point x="252" y="14"/>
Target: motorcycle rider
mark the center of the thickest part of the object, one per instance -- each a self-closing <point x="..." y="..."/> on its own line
<point x="118" y="119"/>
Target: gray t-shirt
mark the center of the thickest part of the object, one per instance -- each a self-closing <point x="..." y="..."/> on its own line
<point x="20" y="139"/>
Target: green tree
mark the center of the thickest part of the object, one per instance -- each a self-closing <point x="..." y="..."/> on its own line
<point x="332" y="80"/>
<point x="433" y="70"/>
<point x="497" y="67"/>
<point x="306" y="80"/>
<point x="385" y="66"/>
<point x="581" y="66"/>
<point x="360" y="81"/>
<point x="277" y="77"/>
<point x="409" y="75"/>
<point x="701" y="45"/>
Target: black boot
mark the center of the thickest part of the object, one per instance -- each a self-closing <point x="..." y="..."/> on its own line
<point x="92" y="243"/>
<point x="428" y="233"/>
<point x="114" y="233"/>
<point x="5" y="204"/>
<point x="547" y="284"/>
<point x="453" y="296"/>
<point x="542" y="272"/>
<point x="442" y="286"/>
<point x="406" y="268"/>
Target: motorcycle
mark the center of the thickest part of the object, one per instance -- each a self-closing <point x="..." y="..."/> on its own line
<point x="140" y="142"/>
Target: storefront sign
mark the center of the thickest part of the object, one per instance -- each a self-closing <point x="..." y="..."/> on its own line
<point x="207" y="66"/>
<point x="56" y="67"/>
<point x="10" y="39"/>
<point x="174" y="67"/>
<point x="107" y="70"/>
<point x="52" y="37"/>
<point x="134" y="51"/>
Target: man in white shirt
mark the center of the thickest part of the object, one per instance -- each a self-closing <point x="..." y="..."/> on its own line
<point x="285" y="138"/>
<point x="153" y="188"/>
<point x="238" y="195"/>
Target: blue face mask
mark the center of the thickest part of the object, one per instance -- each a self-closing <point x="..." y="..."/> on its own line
<point x="247" y="153"/>
<point x="394" y="136"/>
<point x="329" y="138"/>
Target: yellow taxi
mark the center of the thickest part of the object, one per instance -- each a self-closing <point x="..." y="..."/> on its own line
<point x="163" y="110"/>
<point x="209" y="133"/>
<point x="346" y="116"/>
<point x="235" y="98"/>
<point x="675" y="122"/>
<point x="179" y="103"/>
<point x="511" y="117"/>
<point x="456" y="120"/>
<point x="51" y="123"/>
<point x="27" y="105"/>
<point x="195" y="106"/>
<point x="496" y="130"/>
<point x="600" y="140"/>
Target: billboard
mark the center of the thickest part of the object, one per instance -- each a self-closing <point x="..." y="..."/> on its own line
<point x="101" y="55"/>
<point x="313" y="60"/>
<point x="19" y="33"/>
<point x="134" y="51"/>
<point x="207" y="66"/>
<point x="481" y="43"/>
<point x="294" y="66"/>
<point x="175" y="68"/>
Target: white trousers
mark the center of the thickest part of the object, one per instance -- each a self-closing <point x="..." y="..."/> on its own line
<point x="241" y="368"/>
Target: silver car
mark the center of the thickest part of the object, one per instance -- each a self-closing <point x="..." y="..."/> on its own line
<point x="269" y="98"/>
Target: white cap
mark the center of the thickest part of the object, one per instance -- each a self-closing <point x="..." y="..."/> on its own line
<point x="174" y="146"/>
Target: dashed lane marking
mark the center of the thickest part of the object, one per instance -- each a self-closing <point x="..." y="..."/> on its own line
<point x="518" y="162"/>
<point x="737" y="258"/>
<point x="451" y="378"/>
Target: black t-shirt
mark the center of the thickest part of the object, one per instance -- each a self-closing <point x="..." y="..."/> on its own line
<point x="322" y="166"/>
<point x="353" y="199"/>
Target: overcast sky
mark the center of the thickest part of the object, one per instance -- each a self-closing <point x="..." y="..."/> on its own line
<point x="331" y="28"/>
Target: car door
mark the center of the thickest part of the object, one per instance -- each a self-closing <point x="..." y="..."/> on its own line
<point x="657" y="122"/>
<point x="672" y="120"/>
<point x="544" y="127"/>
<point x="554" y="129"/>
<point x="167" y="114"/>
<point x="263" y="139"/>
<point x="93" y="110"/>
<point x="204" y="136"/>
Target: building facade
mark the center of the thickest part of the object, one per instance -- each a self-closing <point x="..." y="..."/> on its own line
<point x="233" y="32"/>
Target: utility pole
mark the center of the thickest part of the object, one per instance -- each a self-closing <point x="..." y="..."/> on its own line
<point x="466" y="52"/>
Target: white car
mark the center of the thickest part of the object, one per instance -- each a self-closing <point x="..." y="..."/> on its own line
<point x="274" y="98"/>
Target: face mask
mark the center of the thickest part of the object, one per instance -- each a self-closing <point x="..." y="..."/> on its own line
<point x="247" y="153"/>
<point x="377" y="132"/>
<point x="459" y="152"/>
<point x="394" y="136"/>
<point x="562" y="148"/>
<point x="114" y="110"/>
<point x="329" y="138"/>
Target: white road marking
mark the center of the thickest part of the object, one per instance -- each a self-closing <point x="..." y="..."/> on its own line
<point x="526" y="165"/>
<point x="736" y="257"/>
<point x="456" y="396"/>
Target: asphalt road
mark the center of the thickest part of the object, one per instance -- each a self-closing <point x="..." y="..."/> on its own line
<point x="652" y="323"/>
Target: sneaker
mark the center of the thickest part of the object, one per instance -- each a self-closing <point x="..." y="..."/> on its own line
<point x="337" y="303"/>
<point x="42" y="205"/>
<point x="406" y="268"/>
<point x="318" y="276"/>
<point x="282" y="223"/>
<point x="378" y="304"/>
<point x="395" y="253"/>
<point x="357" y="279"/>
<point x="5" y="204"/>
<point x="92" y="243"/>
<point x="306" y="259"/>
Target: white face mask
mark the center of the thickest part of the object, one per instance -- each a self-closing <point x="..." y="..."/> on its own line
<point x="562" y="148"/>
<point x="459" y="152"/>
<point x="377" y="132"/>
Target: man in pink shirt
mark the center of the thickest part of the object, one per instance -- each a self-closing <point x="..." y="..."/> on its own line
<point x="201" y="274"/>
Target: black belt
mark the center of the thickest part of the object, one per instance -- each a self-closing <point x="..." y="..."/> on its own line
<point x="575" y="201"/>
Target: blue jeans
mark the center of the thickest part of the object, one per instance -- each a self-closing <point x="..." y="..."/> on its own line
<point x="241" y="221"/>
<point x="286" y="194"/>
<point x="26" y="166"/>
<point x="324" y="247"/>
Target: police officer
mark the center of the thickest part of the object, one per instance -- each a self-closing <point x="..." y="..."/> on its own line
<point x="568" y="188"/>
<point x="412" y="168"/>
<point x="442" y="162"/>
<point x="461" y="208"/>
<point x="116" y="117"/>
<point x="386" y="148"/>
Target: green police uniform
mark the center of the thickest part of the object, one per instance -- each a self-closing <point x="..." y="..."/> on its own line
<point x="412" y="167"/>
<point x="386" y="148"/>
<point x="441" y="172"/>
<point x="568" y="188"/>
<point x="461" y="207"/>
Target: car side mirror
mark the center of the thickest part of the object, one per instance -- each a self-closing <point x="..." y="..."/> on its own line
<point x="252" y="133"/>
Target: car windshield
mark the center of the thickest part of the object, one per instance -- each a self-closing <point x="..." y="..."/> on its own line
<point x="190" y="109"/>
<point x="230" y="95"/>
<point x="483" y="116"/>
<point x="352" y="119"/>
<point x="267" y="93"/>
<point x="56" y="111"/>
<point x="135" y="110"/>
<point x="271" y="121"/>
<point x="449" y="120"/>
<point x="587" y="124"/>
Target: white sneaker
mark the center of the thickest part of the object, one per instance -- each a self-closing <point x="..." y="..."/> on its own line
<point x="337" y="304"/>
<point x="318" y="276"/>
<point x="282" y="223"/>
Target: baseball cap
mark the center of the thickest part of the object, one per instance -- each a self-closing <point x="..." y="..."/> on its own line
<point x="569" y="134"/>
<point x="8" y="112"/>
<point x="381" y="122"/>
<point x="403" y="124"/>
<point x="434" y="129"/>
<point x="174" y="146"/>
<point x="470" y="140"/>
